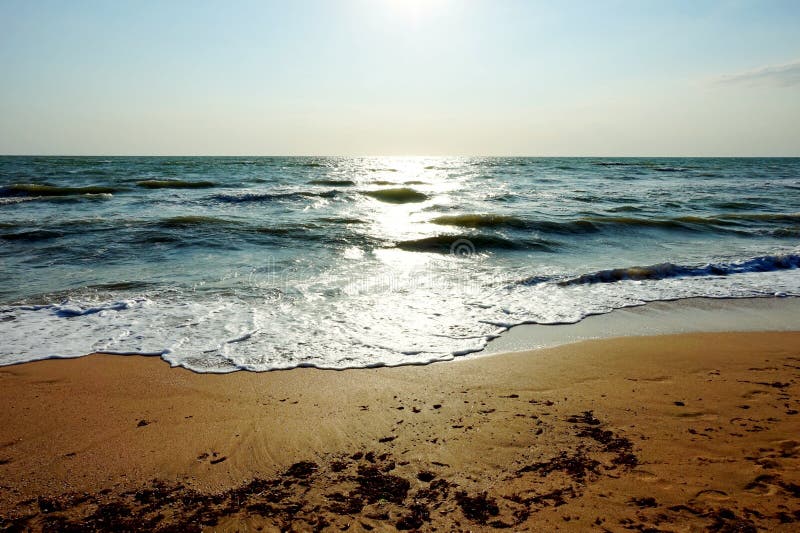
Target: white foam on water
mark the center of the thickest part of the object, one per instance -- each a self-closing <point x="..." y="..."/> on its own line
<point x="330" y="324"/>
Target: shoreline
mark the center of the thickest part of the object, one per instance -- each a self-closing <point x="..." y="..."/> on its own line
<point x="659" y="317"/>
<point x="698" y="429"/>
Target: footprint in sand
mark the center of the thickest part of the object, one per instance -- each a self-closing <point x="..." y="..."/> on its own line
<point x="644" y="475"/>
<point x="699" y="415"/>
<point x="656" y="379"/>
<point x="213" y="458"/>
<point x="710" y="495"/>
<point x="789" y="448"/>
<point x="753" y="394"/>
<point x="763" y="485"/>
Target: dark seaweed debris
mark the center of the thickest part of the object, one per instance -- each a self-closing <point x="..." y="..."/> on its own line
<point x="426" y="476"/>
<point x="311" y="495"/>
<point x="576" y="465"/>
<point x="374" y="485"/>
<point x="302" y="470"/>
<point x="477" y="508"/>
<point x="580" y="465"/>
<point x="726" y="521"/>
<point x="648" y="501"/>
<point x="418" y="515"/>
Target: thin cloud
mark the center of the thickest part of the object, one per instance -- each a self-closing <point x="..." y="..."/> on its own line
<point x="785" y="75"/>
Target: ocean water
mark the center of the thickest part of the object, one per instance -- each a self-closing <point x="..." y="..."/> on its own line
<point x="222" y="264"/>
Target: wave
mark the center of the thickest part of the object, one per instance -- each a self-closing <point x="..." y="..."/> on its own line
<point x="342" y="220"/>
<point x="670" y="169"/>
<point x="643" y="222"/>
<point x="269" y="197"/>
<point x="736" y="205"/>
<point x="695" y="220"/>
<point x="517" y="223"/>
<point x="507" y="197"/>
<point x="397" y="196"/>
<point x="333" y="183"/>
<point x="481" y="221"/>
<point x="175" y="184"/>
<point x="36" y="189"/>
<point x="625" y="209"/>
<point x="193" y="220"/>
<point x="645" y="165"/>
<point x="683" y="223"/>
<point x="222" y="232"/>
<point x="409" y="182"/>
<point x="618" y="163"/>
<point x="570" y="227"/>
<point x="151" y="237"/>
<point x="31" y="236"/>
<point x="767" y="263"/>
<point x="587" y="199"/>
<point x="122" y="286"/>
<point x="622" y="177"/>
<point x="185" y="230"/>
<point x="57" y="199"/>
<point x="526" y="233"/>
<point x="9" y="201"/>
<point x="85" y="226"/>
<point x="67" y="310"/>
<point x="577" y="226"/>
<point x="763" y="217"/>
<point x="472" y="243"/>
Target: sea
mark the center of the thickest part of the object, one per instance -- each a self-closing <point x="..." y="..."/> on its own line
<point x="218" y="264"/>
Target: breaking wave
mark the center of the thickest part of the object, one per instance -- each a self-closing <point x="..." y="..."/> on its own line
<point x="477" y="242"/>
<point x="767" y="263"/>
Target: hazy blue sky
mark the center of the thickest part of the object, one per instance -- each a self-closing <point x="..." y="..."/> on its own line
<point x="487" y="77"/>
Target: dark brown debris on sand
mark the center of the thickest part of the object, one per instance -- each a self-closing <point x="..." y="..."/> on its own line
<point x="322" y="493"/>
<point x="559" y="460"/>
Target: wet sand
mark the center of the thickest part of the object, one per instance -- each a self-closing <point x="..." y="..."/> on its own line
<point x="680" y="432"/>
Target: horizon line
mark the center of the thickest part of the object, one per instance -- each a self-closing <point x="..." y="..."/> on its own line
<point x="418" y="156"/>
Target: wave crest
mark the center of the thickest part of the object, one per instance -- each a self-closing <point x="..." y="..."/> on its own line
<point x="479" y="242"/>
<point x="767" y="263"/>
<point x="272" y="196"/>
<point x="400" y="195"/>
<point x="175" y="184"/>
<point x="480" y="221"/>
<point x="36" y="189"/>
<point x="333" y="183"/>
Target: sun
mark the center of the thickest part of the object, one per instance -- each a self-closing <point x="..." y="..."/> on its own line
<point x="416" y="10"/>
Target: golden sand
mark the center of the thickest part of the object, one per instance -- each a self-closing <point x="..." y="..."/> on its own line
<point x="681" y="432"/>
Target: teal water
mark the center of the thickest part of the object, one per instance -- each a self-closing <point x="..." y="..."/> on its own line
<point x="220" y="264"/>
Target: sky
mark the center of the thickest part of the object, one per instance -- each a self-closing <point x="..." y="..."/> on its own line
<point x="400" y="77"/>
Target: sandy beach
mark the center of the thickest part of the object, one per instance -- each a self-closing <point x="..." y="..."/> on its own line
<point x="400" y="265"/>
<point x="681" y="432"/>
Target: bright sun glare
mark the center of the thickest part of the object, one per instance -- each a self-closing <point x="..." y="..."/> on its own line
<point x="416" y="10"/>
